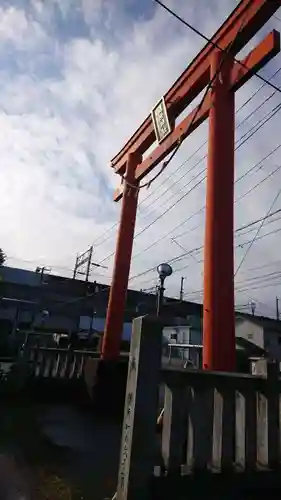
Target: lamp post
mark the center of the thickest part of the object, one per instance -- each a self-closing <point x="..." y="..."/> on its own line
<point x="164" y="270"/>
<point x="44" y="316"/>
<point x="95" y="292"/>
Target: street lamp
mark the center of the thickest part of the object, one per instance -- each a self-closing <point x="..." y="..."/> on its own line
<point x="164" y="270"/>
<point x="95" y="292"/>
<point x="44" y="315"/>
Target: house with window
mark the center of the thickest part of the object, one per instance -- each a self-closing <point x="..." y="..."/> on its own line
<point x="183" y="338"/>
<point x="262" y="332"/>
<point x="255" y="335"/>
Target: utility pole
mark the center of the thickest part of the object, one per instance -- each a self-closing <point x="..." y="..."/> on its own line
<point x="181" y="289"/>
<point x="277" y="309"/>
<point x="75" y="267"/>
<point x="41" y="271"/>
<point x="252" y="305"/>
<point x="89" y="263"/>
<point x="83" y="259"/>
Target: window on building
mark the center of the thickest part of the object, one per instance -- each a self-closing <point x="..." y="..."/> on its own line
<point x="174" y="336"/>
<point x="250" y="336"/>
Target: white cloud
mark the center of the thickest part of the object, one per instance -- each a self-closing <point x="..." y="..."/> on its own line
<point x="18" y="29"/>
<point x="70" y="98"/>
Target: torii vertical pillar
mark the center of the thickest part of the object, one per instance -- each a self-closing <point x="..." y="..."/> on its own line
<point x="118" y="291"/>
<point x="219" y="316"/>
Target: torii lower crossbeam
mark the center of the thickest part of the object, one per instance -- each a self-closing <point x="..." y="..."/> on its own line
<point x="229" y="75"/>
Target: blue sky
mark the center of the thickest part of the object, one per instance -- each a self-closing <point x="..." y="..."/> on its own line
<point x="76" y="78"/>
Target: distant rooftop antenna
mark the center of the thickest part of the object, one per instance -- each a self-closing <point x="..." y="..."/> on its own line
<point x="253" y="306"/>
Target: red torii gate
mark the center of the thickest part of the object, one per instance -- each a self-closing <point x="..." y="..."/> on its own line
<point x="215" y="64"/>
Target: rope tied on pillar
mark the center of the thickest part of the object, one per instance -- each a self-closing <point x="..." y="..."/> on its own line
<point x="148" y="183"/>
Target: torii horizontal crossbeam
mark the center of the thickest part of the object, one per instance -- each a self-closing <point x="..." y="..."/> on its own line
<point x="241" y="73"/>
<point x="252" y="15"/>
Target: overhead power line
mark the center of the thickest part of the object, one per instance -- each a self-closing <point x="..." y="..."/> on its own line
<point x="109" y="230"/>
<point x="239" y="245"/>
<point x="257" y="238"/>
<point x="267" y="99"/>
<point x="240" y="142"/>
<point x="245" y="285"/>
<point x="257" y="233"/>
<point x="255" y="128"/>
<point x="260" y="277"/>
<point x="249" y="191"/>
<point x="247" y="101"/>
<point x="169" y="233"/>
<point x="246" y="226"/>
<point x="179" y="200"/>
<point x="249" y="134"/>
<point x="263" y="266"/>
<point x="194" y="250"/>
<point x="165" y="163"/>
<point x="211" y="42"/>
<point x="198" y="109"/>
<point x="257" y="268"/>
<point x="252" y="96"/>
<point x="260" y="124"/>
<point x="259" y="286"/>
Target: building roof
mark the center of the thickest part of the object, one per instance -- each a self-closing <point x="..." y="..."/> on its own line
<point x="137" y="303"/>
<point x="267" y="323"/>
<point x="18" y="284"/>
<point x="19" y="276"/>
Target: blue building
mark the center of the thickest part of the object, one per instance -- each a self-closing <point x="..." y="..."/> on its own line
<point x="49" y="303"/>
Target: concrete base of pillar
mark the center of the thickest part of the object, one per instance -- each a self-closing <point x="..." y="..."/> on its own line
<point x="106" y="383"/>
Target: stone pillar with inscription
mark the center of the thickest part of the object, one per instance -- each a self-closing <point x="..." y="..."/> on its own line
<point x="138" y="454"/>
